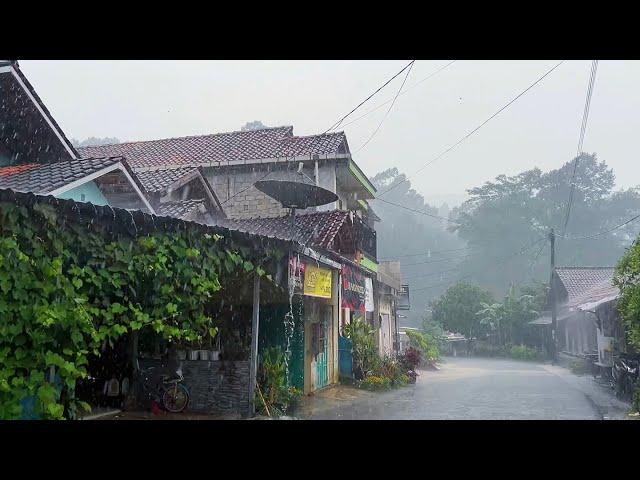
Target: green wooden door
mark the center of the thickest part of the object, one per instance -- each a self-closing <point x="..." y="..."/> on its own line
<point x="322" y="368"/>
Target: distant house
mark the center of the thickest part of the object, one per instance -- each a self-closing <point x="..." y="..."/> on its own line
<point x="587" y="320"/>
<point x="37" y="157"/>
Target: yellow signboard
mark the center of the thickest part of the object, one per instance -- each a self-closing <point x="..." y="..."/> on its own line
<point x="317" y="281"/>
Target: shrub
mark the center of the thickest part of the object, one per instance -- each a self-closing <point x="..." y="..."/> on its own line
<point x="365" y="355"/>
<point x="410" y="359"/>
<point x="427" y="345"/>
<point x="522" y="352"/>
<point x="272" y="381"/>
<point x="376" y="383"/>
<point x="578" y="366"/>
<point x="483" y="349"/>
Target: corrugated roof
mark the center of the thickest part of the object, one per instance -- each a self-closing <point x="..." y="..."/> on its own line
<point x="44" y="178"/>
<point x="577" y="280"/>
<point x="267" y="143"/>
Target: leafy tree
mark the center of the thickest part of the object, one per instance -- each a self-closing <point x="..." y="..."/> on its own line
<point x="94" y="141"/>
<point x="456" y="309"/>
<point x="255" y="125"/>
<point x="512" y="212"/>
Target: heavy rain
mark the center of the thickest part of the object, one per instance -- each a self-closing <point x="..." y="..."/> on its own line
<point x="342" y="240"/>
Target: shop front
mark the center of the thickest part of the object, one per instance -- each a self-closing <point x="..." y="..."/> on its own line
<point x="305" y="325"/>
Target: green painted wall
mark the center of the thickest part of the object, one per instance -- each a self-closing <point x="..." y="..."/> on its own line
<point x="272" y="333"/>
<point x="368" y="263"/>
<point x="90" y="191"/>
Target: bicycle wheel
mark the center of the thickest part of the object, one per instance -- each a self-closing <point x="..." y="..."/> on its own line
<point x="175" y="399"/>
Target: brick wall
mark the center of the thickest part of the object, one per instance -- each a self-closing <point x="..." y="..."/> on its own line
<point x="215" y="387"/>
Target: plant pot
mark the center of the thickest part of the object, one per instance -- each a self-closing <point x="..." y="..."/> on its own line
<point x="194" y="354"/>
<point x="214" y="355"/>
<point x="204" y="355"/>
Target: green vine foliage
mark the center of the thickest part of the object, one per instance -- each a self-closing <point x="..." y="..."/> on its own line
<point x="67" y="288"/>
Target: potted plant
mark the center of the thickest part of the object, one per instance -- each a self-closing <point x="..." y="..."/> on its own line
<point x="214" y="344"/>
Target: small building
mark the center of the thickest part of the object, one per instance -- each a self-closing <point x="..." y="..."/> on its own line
<point x="587" y="320"/>
<point x="388" y="285"/>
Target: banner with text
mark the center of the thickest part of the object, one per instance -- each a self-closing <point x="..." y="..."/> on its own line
<point x="353" y="289"/>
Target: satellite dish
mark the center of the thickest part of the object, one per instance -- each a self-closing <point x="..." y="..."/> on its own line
<point x="296" y="194"/>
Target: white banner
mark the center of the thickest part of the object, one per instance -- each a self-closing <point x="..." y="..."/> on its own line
<point x="368" y="298"/>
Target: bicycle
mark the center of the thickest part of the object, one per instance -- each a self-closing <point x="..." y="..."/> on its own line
<point x="167" y="391"/>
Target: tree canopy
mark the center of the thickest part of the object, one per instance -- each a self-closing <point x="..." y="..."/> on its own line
<point x="507" y="215"/>
<point x="420" y="242"/>
<point x="457" y="309"/>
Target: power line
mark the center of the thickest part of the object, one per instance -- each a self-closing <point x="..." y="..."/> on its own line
<point x="573" y="237"/>
<point x="426" y="252"/>
<point x="388" y="111"/>
<point x="401" y="93"/>
<point x="498" y="261"/>
<point x="439" y="260"/>
<point x="337" y="124"/>
<point x="583" y="129"/>
<point x="418" y="211"/>
<point x="474" y="130"/>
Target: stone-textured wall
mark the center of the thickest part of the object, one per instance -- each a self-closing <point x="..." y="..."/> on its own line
<point x="215" y="387"/>
<point x="251" y="202"/>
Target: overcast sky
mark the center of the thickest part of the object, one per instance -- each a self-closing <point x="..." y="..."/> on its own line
<point x="142" y="100"/>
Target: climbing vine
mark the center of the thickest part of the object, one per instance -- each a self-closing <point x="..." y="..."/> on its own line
<point x="68" y="287"/>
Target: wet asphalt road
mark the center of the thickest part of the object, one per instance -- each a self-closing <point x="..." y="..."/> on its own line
<point x="477" y="389"/>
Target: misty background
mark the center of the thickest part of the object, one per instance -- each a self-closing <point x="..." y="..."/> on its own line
<point x="524" y="153"/>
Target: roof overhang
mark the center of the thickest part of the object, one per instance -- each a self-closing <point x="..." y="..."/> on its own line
<point x="22" y="81"/>
<point x="256" y="161"/>
<point x="99" y="173"/>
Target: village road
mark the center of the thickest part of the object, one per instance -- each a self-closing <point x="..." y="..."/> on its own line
<point x="473" y="388"/>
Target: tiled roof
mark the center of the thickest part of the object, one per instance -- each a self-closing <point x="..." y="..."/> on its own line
<point x="578" y="280"/>
<point x="47" y="177"/>
<point x="267" y="143"/>
<point x="603" y="292"/>
<point x="313" y="229"/>
<point x="158" y="180"/>
<point x="181" y="209"/>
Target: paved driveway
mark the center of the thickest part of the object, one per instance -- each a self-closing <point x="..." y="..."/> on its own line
<point x="472" y="388"/>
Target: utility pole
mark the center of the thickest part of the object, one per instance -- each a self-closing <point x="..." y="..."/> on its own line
<point x="552" y="294"/>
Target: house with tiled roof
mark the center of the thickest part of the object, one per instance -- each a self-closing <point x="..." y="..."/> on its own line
<point x="585" y="311"/>
<point x="233" y="161"/>
<point x="37" y="157"/>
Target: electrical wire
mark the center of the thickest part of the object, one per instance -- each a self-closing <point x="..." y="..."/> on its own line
<point x="497" y="261"/>
<point x="439" y="156"/>
<point x="582" y="237"/>
<point x="337" y="124"/>
<point x="427" y="252"/>
<point x="388" y="111"/>
<point x="401" y="93"/>
<point x="583" y="129"/>
<point x="418" y="211"/>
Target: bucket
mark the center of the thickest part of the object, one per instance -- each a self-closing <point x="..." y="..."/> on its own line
<point x="204" y="355"/>
<point x="214" y="355"/>
<point x="194" y="354"/>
